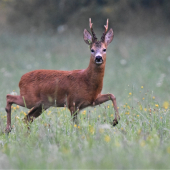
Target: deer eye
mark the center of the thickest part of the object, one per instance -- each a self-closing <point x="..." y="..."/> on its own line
<point x="92" y="50"/>
<point x="104" y="50"/>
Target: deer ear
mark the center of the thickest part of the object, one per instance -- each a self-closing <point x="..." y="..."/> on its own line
<point x="87" y="37"/>
<point x="109" y="37"/>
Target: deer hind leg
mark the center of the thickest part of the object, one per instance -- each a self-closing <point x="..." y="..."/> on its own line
<point x="105" y="97"/>
<point x="34" y="113"/>
<point x="11" y="99"/>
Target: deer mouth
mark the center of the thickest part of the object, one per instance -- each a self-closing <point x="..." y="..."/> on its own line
<point x="98" y="60"/>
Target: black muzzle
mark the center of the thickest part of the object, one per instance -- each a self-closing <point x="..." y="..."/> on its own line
<point x="98" y="60"/>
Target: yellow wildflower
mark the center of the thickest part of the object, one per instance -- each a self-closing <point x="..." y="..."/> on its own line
<point x="99" y="116"/>
<point x="141" y="87"/>
<point x="130" y="93"/>
<point x="156" y="105"/>
<point x="84" y="112"/>
<point x="17" y="107"/>
<point x="168" y="149"/>
<point x="153" y="97"/>
<point x="127" y="113"/>
<point x="128" y="107"/>
<point x="49" y="112"/>
<point x="65" y="150"/>
<point x="16" y="117"/>
<point x="139" y="131"/>
<point x="75" y="125"/>
<point x="166" y="104"/>
<point x="107" y="138"/>
<point x="140" y="107"/>
<point x="101" y="130"/>
<point x="111" y="115"/>
<point x="92" y="130"/>
<point x="142" y="143"/>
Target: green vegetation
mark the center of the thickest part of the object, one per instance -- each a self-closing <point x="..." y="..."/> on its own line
<point x="137" y="73"/>
<point x="138" y="16"/>
<point x="42" y="15"/>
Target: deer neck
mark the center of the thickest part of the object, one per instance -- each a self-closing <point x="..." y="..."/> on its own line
<point x="95" y="73"/>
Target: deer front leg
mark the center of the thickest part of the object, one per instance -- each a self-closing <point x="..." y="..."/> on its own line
<point x="104" y="98"/>
<point x="35" y="112"/>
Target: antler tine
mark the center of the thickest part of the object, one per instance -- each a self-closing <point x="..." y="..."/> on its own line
<point x="106" y="28"/>
<point x="91" y="28"/>
<point x="90" y="24"/>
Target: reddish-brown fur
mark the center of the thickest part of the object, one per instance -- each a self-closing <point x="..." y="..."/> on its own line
<point x="76" y="89"/>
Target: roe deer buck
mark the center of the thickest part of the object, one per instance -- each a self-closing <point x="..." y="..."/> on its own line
<point x="41" y="89"/>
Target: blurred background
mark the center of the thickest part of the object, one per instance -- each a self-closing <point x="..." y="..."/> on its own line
<point x="48" y="34"/>
<point x="131" y="16"/>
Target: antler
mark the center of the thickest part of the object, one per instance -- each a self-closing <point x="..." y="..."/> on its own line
<point x="104" y="33"/>
<point x="91" y="28"/>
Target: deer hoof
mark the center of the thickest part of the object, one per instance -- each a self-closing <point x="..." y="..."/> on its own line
<point x="115" y="122"/>
<point x="7" y="130"/>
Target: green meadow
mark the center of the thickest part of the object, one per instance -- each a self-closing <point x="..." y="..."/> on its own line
<point x="137" y="73"/>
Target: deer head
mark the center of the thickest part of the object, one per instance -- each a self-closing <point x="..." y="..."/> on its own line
<point x="98" y="48"/>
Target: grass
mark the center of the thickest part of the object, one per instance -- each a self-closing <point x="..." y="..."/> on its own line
<point x="137" y="73"/>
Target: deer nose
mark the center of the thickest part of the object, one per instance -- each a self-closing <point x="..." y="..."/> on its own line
<point x="98" y="59"/>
